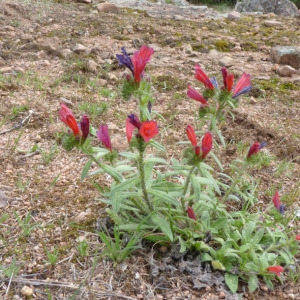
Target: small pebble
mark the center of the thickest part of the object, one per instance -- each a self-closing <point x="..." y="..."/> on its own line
<point x="27" y="291"/>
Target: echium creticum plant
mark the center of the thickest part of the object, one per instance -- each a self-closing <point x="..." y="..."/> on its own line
<point x="184" y="201"/>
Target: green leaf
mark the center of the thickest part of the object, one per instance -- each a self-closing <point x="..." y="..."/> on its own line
<point x="196" y="187"/>
<point x="112" y="172"/>
<point x="217" y="265"/>
<point x="154" y="159"/>
<point x="232" y="281"/>
<point x="220" y="223"/>
<point x="86" y="169"/>
<point x="129" y="155"/>
<point x="167" y="186"/>
<point x="252" y="283"/>
<point x="165" y="197"/>
<point x="205" y="257"/>
<point x="99" y="152"/>
<point x="163" y="225"/>
<point x="158" y="146"/>
<point x="205" y="218"/>
<point x="126" y="185"/>
<point x="258" y="236"/>
<point x="287" y="258"/>
<point x="216" y="161"/>
<point x="210" y="182"/>
<point x="201" y="246"/>
<point x="124" y="168"/>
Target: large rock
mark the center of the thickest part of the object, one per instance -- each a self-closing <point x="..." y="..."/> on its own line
<point x="279" y="7"/>
<point x="286" y="55"/>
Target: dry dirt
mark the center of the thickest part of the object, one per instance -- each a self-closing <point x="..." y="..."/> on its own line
<point x="38" y="69"/>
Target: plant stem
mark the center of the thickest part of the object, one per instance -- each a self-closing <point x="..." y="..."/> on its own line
<point x="187" y="182"/>
<point x="142" y="172"/>
<point x="237" y="179"/>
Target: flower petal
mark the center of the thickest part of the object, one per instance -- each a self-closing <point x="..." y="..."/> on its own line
<point x="191" y="135"/>
<point x="194" y="94"/>
<point x="139" y="61"/>
<point x="104" y="137"/>
<point x="206" y="144"/>
<point x="148" y="130"/>
<point x="202" y="77"/>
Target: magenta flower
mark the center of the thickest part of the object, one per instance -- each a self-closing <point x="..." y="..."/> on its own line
<point x="242" y="86"/>
<point x="255" y="148"/>
<point x="202" y="77"/>
<point x="85" y="126"/>
<point x="297" y="237"/>
<point x="103" y="136"/>
<point x="137" y="63"/>
<point x="191" y="213"/>
<point x="194" y="94"/>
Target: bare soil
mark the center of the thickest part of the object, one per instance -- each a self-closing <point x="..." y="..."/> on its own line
<point x="39" y="69"/>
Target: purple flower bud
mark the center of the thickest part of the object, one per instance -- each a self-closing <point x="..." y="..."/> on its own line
<point x="85" y="126"/>
<point x="134" y="120"/>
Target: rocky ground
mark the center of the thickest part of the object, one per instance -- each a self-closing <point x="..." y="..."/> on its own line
<point x="64" y="51"/>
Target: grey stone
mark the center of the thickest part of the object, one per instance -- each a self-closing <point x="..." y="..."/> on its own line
<point x="286" y="71"/>
<point x="272" y="23"/>
<point x="80" y="49"/>
<point x="234" y="16"/>
<point x="279" y="7"/>
<point x="225" y="61"/>
<point x="107" y="7"/>
<point x="286" y="55"/>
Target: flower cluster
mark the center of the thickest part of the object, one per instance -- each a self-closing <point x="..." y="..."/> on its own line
<point x="242" y="86"/>
<point x="276" y="201"/>
<point x="147" y="129"/>
<point x="255" y="148"/>
<point x="137" y="63"/>
<point x="82" y="130"/>
<point x="206" y="145"/>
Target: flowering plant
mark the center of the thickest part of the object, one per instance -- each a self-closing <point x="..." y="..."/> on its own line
<point x="184" y="201"/>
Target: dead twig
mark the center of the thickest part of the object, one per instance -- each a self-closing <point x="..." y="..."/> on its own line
<point x="19" y="125"/>
<point x="35" y="282"/>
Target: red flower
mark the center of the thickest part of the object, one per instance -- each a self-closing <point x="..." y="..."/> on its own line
<point x="276" y="200"/>
<point x="139" y="61"/>
<point x="276" y="269"/>
<point x="242" y="86"/>
<point x="129" y="130"/>
<point x="104" y="137"/>
<point x="202" y="77"/>
<point x="191" y="135"/>
<point x="255" y="148"/>
<point x="148" y="130"/>
<point x="194" y="94"/>
<point x="298" y="237"/>
<point x="191" y="213"/>
<point x="227" y="79"/>
<point x="68" y="118"/>
<point x="206" y="144"/>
